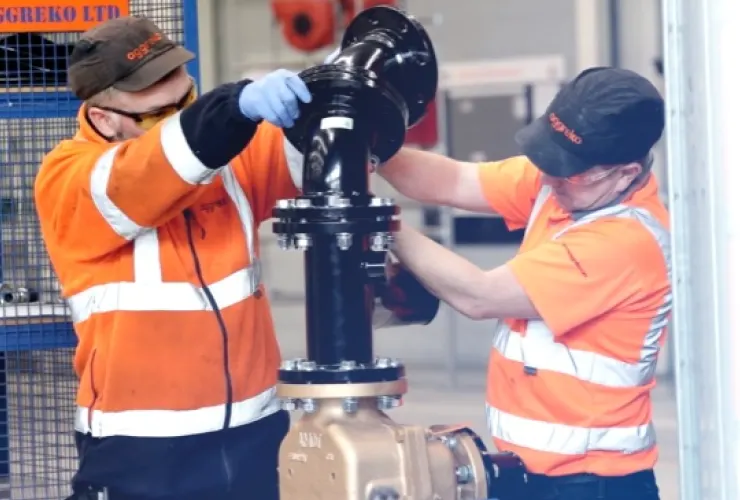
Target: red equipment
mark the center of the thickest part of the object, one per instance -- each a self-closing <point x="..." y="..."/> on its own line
<point x="307" y="25"/>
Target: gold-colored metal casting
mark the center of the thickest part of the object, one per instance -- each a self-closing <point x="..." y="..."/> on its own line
<point x="341" y="451"/>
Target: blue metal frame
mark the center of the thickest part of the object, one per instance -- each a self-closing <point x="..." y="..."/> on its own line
<point x="61" y="104"/>
<point x="39" y="105"/>
<point x="190" y="35"/>
<point x="37" y="337"/>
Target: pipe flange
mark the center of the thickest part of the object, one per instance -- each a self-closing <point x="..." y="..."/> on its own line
<point x="415" y="74"/>
<point x="359" y="96"/>
<point x="340" y="391"/>
<point x="301" y="371"/>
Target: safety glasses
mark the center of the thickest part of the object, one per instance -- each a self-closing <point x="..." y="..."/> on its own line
<point x="588" y="178"/>
<point x="149" y="119"/>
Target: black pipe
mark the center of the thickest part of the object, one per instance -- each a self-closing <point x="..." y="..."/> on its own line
<point x="336" y="162"/>
<point x="363" y="102"/>
<point x="339" y="298"/>
<point x="339" y="302"/>
<point x="369" y="55"/>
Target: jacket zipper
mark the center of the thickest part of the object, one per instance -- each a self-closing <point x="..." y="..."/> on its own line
<point x="190" y="216"/>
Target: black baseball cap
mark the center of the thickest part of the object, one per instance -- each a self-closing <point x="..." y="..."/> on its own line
<point x="605" y="116"/>
<point x="127" y="53"/>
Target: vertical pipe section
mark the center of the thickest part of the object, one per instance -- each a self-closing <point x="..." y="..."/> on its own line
<point x="339" y="299"/>
<point x="700" y="40"/>
<point x="338" y="304"/>
<point x="336" y="161"/>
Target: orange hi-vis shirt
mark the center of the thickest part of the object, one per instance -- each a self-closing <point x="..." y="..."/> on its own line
<point x="570" y="393"/>
<point x="134" y="230"/>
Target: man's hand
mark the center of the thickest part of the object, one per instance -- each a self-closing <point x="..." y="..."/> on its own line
<point x="274" y="98"/>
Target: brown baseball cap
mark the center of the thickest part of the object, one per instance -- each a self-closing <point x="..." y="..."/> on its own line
<point x="126" y="53"/>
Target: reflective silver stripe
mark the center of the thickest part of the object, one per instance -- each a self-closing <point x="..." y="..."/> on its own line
<point x="172" y="423"/>
<point x="114" y="216"/>
<point x="651" y="344"/>
<point x="148" y="292"/>
<point x="294" y="158"/>
<point x="567" y="439"/>
<point x="539" y="350"/>
<point x="235" y="192"/>
<point x="542" y="196"/>
<point x="180" y="156"/>
<point x="538" y="347"/>
<point x="147" y="269"/>
<point x="164" y="296"/>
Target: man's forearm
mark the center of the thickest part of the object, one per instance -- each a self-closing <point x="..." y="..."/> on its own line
<point x="468" y="289"/>
<point x="450" y="277"/>
<point x="404" y="171"/>
<point x="436" y="179"/>
<point x="215" y="128"/>
<point x="421" y="175"/>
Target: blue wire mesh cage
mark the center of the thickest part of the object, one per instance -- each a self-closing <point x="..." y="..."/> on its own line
<point x="37" y="381"/>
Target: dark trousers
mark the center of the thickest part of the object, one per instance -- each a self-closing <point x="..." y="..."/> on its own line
<point x="239" y="463"/>
<point x="637" y="486"/>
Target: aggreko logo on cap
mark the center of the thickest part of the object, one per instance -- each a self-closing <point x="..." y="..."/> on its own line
<point x="142" y="50"/>
<point x="560" y="127"/>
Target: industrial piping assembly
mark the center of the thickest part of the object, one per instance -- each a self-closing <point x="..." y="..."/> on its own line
<point x="344" y="446"/>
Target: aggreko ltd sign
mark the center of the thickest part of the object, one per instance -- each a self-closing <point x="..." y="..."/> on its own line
<point x="23" y="16"/>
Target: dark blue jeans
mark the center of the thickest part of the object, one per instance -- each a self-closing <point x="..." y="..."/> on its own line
<point x="235" y="464"/>
<point x="637" y="486"/>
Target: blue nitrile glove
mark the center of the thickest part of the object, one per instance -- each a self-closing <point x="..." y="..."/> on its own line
<point x="274" y="98"/>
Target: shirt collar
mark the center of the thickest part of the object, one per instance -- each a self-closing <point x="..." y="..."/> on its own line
<point x="647" y="191"/>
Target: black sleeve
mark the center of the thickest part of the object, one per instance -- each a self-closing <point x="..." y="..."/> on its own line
<point x="215" y="128"/>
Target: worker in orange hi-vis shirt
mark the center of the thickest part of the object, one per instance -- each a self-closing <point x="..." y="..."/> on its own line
<point x="150" y="216"/>
<point x="585" y="304"/>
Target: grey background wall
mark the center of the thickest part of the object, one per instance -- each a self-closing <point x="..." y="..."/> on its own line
<point x="238" y="36"/>
<point x="465" y="29"/>
<point x="242" y="35"/>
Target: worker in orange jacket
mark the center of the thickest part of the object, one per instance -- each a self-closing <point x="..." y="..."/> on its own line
<point x="150" y="215"/>
<point x="584" y="305"/>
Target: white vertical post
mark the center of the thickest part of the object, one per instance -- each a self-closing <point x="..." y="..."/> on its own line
<point x="700" y="39"/>
<point x="592" y="34"/>
<point x="209" y="58"/>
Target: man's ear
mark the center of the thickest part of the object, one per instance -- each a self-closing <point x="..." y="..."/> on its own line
<point x="633" y="170"/>
<point x="102" y="121"/>
<point x="629" y="173"/>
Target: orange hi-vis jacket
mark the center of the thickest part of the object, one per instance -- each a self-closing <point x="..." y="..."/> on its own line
<point x="145" y="235"/>
<point x="569" y="393"/>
